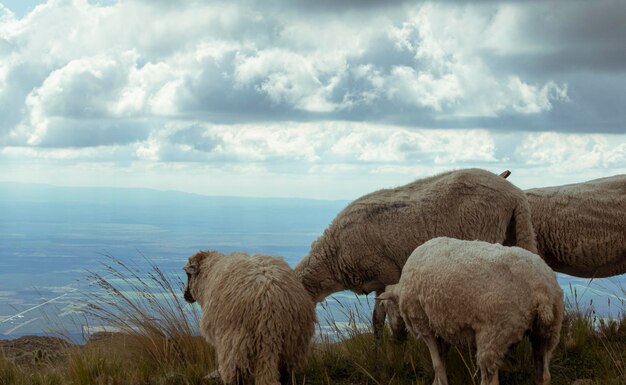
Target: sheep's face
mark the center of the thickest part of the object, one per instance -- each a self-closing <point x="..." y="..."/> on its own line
<point x="192" y="269"/>
<point x="390" y="303"/>
<point x="192" y="272"/>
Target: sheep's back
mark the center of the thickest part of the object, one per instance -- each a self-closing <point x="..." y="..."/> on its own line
<point x="581" y="228"/>
<point x="260" y="296"/>
<point x="384" y="227"/>
<point x="461" y="286"/>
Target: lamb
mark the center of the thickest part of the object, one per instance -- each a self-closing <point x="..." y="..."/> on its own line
<point x="581" y="228"/>
<point x="487" y="295"/>
<point x="367" y="244"/>
<point x="255" y="312"/>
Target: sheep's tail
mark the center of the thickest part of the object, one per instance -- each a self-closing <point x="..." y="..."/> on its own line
<point x="524" y="231"/>
<point x="545" y="311"/>
<point x="266" y="370"/>
<point x="269" y="334"/>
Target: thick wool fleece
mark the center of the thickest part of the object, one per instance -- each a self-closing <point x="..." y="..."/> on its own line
<point x="483" y="294"/>
<point x="256" y="314"/>
<point x="581" y="228"/>
<point x="367" y="244"/>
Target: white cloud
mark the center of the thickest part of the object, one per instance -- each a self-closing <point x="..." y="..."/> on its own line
<point x="309" y="143"/>
<point x="422" y="88"/>
<point x="146" y="60"/>
<point x="529" y="99"/>
<point x="295" y="159"/>
<point x="506" y="27"/>
<point x="392" y="144"/>
<point x="109" y="154"/>
<point x="454" y="77"/>
<point x="290" y="78"/>
<point x="289" y="88"/>
<point x="83" y="88"/>
<point x="570" y="152"/>
<point x="193" y="142"/>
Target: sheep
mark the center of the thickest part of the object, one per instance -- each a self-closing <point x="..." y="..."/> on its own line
<point x="487" y="295"/>
<point x="581" y="228"/>
<point x="255" y="312"/>
<point x="366" y="245"/>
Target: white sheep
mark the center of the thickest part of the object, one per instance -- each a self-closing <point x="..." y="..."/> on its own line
<point x="366" y="245"/>
<point x="255" y="312"/>
<point x="581" y="228"/>
<point x="487" y="295"/>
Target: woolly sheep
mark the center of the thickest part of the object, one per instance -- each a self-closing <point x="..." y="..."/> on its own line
<point x="366" y="245"/>
<point x="581" y="228"/>
<point x="487" y="295"/>
<point x="255" y="313"/>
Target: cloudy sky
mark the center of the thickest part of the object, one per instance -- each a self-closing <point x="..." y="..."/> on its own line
<point x="324" y="99"/>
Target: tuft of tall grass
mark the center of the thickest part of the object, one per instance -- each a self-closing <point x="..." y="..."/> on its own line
<point x="156" y="330"/>
<point x="8" y="372"/>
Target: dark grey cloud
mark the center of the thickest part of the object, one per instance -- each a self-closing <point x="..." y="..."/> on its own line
<point x="213" y="92"/>
<point x="569" y="37"/>
<point x="197" y="137"/>
<point x="597" y="105"/>
<point x="578" y="23"/>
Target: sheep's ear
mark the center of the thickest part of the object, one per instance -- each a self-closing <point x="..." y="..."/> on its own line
<point x="505" y="174"/>
<point x="387" y="296"/>
<point x="191" y="269"/>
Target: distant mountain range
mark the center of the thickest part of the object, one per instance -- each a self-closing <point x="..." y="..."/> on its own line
<point x="41" y="202"/>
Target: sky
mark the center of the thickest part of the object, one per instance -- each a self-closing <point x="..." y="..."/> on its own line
<point x="325" y="99"/>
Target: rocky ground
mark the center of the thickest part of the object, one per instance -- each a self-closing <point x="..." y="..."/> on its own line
<point x="30" y="350"/>
<point x="34" y="350"/>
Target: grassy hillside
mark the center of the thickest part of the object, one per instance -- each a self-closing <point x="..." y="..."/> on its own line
<point x="158" y="344"/>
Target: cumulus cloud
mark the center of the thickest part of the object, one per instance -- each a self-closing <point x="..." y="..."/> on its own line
<point x="290" y="78"/>
<point x="328" y="88"/>
<point x="315" y="160"/>
<point x="573" y="152"/>
<point x="427" y="64"/>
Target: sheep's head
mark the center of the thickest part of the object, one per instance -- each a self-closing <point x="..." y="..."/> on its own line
<point x="390" y="303"/>
<point x="192" y="269"/>
<point x="316" y="277"/>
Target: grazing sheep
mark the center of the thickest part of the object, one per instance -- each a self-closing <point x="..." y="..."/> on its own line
<point x="366" y="245"/>
<point x="487" y="295"/>
<point x="255" y="313"/>
<point x="581" y="228"/>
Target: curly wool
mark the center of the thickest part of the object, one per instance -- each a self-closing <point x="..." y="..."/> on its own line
<point x="256" y="314"/>
<point x="484" y="294"/>
<point x="581" y="228"/>
<point x="367" y="244"/>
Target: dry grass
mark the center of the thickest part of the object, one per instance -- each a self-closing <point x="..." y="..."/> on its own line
<point x="158" y="344"/>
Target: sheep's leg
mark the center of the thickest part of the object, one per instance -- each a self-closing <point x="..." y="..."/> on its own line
<point x="228" y="371"/>
<point x="439" y="366"/>
<point x="214" y="375"/>
<point x="400" y="333"/>
<point x="378" y="319"/>
<point x="542" y="353"/>
<point x="489" y="350"/>
<point x="489" y="375"/>
<point x="444" y="348"/>
<point x="285" y="375"/>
